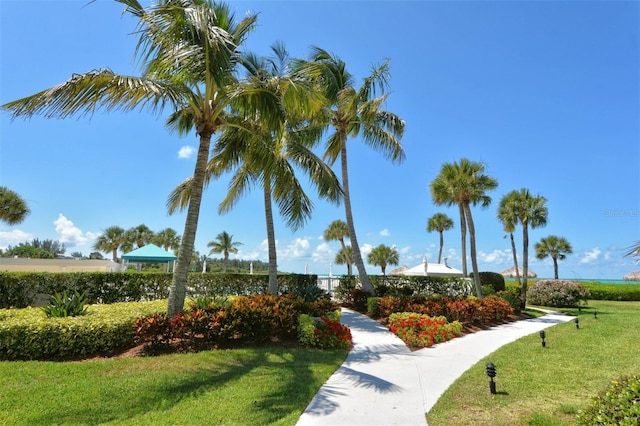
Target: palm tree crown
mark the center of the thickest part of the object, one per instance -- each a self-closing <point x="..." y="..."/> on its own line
<point x="13" y="209"/>
<point x="383" y="256"/>
<point x="338" y="231"/>
<point x="110" y="241"/>
<point x="556" y="247"/>
<point x="224" y="244"/>
<point x="439" y="222"/>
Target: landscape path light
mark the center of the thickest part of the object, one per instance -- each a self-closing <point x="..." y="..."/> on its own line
<point x="595" y="314"/>
<point x="543" y="334"/>
<point x="491" y="372"/>
<point x="577" y="321"/>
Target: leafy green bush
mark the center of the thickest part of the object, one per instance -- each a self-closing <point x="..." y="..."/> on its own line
<point x="619" y="404"/>
<point x="65" y="305"/>
<point x="493" y="279"/>
<point x="512" y="297"/>
<point x="373" y="304"/>
<point x="28" y="334"/>
<point x="557" y="293"/>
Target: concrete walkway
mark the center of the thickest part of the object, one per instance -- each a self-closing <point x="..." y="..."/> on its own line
<point x="382" y="382"/>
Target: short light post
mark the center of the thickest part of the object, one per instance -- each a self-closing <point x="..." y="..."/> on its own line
<point x="543" y="335"/>
<point x="577" y="321"/>
<point x="491" y="372"/>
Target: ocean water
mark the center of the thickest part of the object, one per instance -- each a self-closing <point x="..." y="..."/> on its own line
<point x="593" y="280"/>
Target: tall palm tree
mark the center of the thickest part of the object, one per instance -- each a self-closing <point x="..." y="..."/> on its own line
<point x="530" y="211"/>
<point x="342" y="255"/>
<point x="338" y="231"/>
<point x="439" y="222"/>
<point x="139" y="236"/>
<point x="13" y="209"/>
<point x="352" y="112"/>
<point x="464" y="184"/>
<point x="268" y="154"/>
<point x="507" y="216"/>
<point x="383" y="256"/>
<point x="110" y="241"/>
<point x="556" y="248"/>
<point x="188" y="52"/>
<point x="224" y="244"/>
<point x="168" y="239"/>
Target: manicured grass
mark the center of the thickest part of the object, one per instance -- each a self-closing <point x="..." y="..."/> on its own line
<point x="548" y="386"/>
<point x="233" y="387"/>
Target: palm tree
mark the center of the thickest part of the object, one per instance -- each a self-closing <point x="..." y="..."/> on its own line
<point x="188" y="52"/>
<point x="531" y="211"/>
<point x="507" y="216"/>
<point x="464" y="184"/>
<point x="634" y="251"/>
<point x="268" y="154"/>
<point x="342" y="256"/>
<point x="224" y="244"/>
<point x="351" y="113"/>
<point x="383" y="256"/>
<point x="13" y="209"/>
<point x="110" y="241"/>
<point x="337" y="231"/>
<point x="439" y="222"/>
<point x="556" y="247"/>
<point x="139" y="236"/>
<point x="168" y="239"/>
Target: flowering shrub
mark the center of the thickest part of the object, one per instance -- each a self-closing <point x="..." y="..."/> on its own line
<point x="323" y="333"/>
<point x="619" y="404"/>
<point x="557" y="293"/>
<point x="422" y="331"/>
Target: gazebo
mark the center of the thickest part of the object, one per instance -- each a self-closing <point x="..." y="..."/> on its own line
<point x="149" y="253"/>
<point x="511" y="272"/>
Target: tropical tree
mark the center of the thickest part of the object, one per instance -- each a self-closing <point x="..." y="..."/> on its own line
<point x="556" y="248"/>
<point x="507" y="216"/>
<point x="224" y="244"/>
<point x="383" y="256"/>
<point x="188" y="51"/>
<point x="342" y="255"/>
<point x="439" y="222"/>
<point x="13" y="209"/>
<point x="168" y="239"/>
<point x="634" y="251"/>
<point x="352" y="113"/>
<point x="110" y="241"/>
<point x="464" y="184"/>
<point x="268" y="154"/>
<point x="138" y="236"/>
<point x="529" y="211"/>
<point x="338" y="231"/>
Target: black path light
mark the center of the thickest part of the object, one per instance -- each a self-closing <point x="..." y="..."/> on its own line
<point x="543" y="334"/>
<point x="595" y="314"/>
<point x="491" y="372"/>
<point x="577" y="321"/>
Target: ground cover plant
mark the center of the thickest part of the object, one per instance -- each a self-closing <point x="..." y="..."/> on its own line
<point x="551" y="385"/>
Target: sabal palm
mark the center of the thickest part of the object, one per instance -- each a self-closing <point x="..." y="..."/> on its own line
<point x="382" y="256"/>
<point x="338" y="231"/>
<point x="268" y="154"/>
<point x="530" y="211"/>
<point x="439" y="222"/>
<point x="110" y="241"/>
<point x="224" y="244"/>
<point x="507" y="216"/>
<point x="168" y="239"/>
<point x="464" y="184"/>
<point x="13" y="209"/>
<point x="352" y="112"/>
<point x="139" y="236"/>
<point x="555" y="247"/>
<point x="188" y="53"/>
<point x="343" y="254"/>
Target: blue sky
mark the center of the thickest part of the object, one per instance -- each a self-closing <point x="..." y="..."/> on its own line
<point x="545" y="93"/>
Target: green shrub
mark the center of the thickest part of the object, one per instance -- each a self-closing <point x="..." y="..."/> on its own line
<point x="372" y="307"/>
<point x="493" y="279"/>
<point x="65" y="305"/>
<point x="619" y="404"/>
<point x="343" y="291"/>
<point x="512" y="297"/>
<point x="621" y="292"/>
<point x="557" y="294"/>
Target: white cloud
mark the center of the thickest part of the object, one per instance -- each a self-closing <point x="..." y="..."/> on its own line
<point x="323" y="253"/>
<point x="296" y="249"/>
<point x="365" y="249"/>
<point x="186" y="152"/>
<point x="591" y="256"/>
<point x="70" y="234"/>
<point x="13" y="238"/>
<point x="496" y="257"/>
<point x="385" y="233"/>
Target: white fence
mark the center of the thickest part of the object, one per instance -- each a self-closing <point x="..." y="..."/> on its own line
<point x="328" y="283"/>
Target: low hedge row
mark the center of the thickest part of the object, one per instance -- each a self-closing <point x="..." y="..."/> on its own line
<point x="28" y="334"/>
<point x="468" y="310"/>
<point x="21" y="289"/>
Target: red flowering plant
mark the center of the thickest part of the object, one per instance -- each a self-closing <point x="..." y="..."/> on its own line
<point x="423" y="331"/>
<point x="330" y="334"/>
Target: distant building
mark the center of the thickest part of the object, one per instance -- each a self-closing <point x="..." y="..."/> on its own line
<point x="8" y="264"/>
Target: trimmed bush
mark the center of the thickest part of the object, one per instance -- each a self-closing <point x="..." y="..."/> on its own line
<point x="422" y="331"/>
<point x="557" y="294"/>
<point x="619" y="404"/>
<point x="494" y="279"/>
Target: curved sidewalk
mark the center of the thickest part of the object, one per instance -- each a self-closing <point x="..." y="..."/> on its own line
<point x="382" y="382"/>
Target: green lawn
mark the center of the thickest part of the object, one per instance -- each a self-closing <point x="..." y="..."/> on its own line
<point x="548" y="386"/>
<point x="232" y="387"/>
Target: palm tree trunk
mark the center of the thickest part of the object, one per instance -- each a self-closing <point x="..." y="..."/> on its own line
<point x="441" y="245"/>
<point x="474" y="259"/>
<point x="525" y="261"/>
<point x="515" y="257"/>
<point x="357" y="257"/>
<point x="115" y="254"/>
<point x="347" y="259"/>
<point x="178" y="289"/>
<point x="271" y="239"/>
<point x="224" y="261"/>
<point x="555" y="267"/>
<point x="463" y="233"/>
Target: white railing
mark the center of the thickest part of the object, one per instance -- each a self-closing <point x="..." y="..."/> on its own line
<point x="328" y="283"/>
